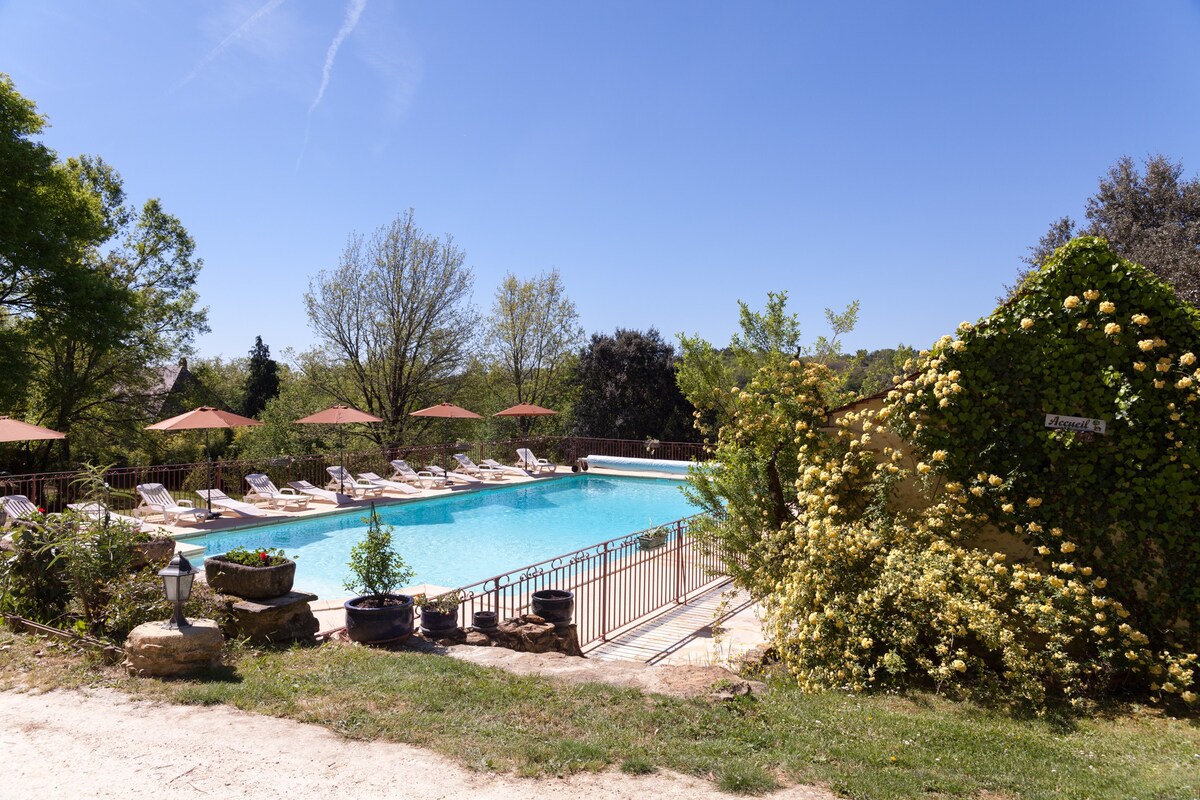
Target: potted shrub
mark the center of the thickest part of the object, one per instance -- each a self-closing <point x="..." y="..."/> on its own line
<point x="653" y="538"/>
<point x="378" y="615"/>
<point x="252" y="574"/>
<point x="556" y="606"/>
<point x="439" y="615"/>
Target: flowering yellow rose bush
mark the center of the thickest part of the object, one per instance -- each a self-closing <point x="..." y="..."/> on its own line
<point x="1100" y="591"/>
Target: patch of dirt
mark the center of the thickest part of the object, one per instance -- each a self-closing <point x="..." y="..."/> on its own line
<point x="103" y="744"/>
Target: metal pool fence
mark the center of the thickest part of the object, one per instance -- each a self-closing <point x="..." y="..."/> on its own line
<point x="616" y="583"/>
<point x="53" y="490"/>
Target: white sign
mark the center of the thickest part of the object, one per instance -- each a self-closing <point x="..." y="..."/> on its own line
<point x="1076" y="423"/>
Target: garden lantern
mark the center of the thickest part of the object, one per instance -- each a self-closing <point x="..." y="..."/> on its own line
<point x="177" y="582"/>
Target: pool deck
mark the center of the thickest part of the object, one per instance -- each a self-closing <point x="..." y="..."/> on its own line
<point x="714" y="628"/>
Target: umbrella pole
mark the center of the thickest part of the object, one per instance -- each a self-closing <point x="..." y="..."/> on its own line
<point x="208" y="455"/>
<point x="342" y="473"/>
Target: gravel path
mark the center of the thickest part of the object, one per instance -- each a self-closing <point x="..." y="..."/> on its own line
<point x="103" y="744"/>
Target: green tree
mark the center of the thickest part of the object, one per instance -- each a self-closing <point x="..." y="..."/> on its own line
<point x="1152" y="219"/>
<point x="534" y="333"/>
<point x="395" y="322"/>
<point x="47" y="220"/>
<point x="135" y="306"/>
<point x="262" y="380"/>
<point x="706" y="374"/>
<point x="627" y="389"/>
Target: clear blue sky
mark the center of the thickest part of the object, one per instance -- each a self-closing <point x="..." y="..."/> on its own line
<point x="668" y="158"/>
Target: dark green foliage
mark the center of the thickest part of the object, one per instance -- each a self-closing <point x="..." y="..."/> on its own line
<point x="33" y="582"/>
<point x="1152" y="219"/>
<point x="1089" y="335"/>
<point x="627" y="389"/>
<point x="262" y="382"/>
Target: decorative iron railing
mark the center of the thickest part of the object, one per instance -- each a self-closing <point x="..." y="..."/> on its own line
<point x="616" y="583"/>
<point x="53" y="490"/>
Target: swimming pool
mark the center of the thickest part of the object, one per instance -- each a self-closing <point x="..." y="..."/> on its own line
<point x="458" y="539"/>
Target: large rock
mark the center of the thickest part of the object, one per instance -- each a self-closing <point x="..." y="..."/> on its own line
<point x="273" y="620"/>
<point x="155" y="650"/>
<point x="526" y="634"/>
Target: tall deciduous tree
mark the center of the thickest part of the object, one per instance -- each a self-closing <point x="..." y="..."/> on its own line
<point x="262" y="379"/>
<point x="47" y="220"/>
<point x="627" y="389"/>
<point x="395" y="322"/>
<point x="1152" y="219"/>
<point x="130" y="305"/>
<point x="535" y="332"/>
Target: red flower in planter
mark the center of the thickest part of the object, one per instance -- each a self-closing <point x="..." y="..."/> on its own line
<point x="41" y="510"/>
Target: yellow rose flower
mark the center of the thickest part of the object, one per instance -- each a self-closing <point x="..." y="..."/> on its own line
<point x="1034" y="502"/>
<point x="1091" y="294"/>
<point x="1183" y="382"/>
<point x="1140" y="319"/>
<point x="1112" y="329"/>
<point x="1140" y="366"/>
<point x="1071" y="302"/>
<point x="1146" y="345"/>
<point x="1187" y="359"/>
<point x="1026" y="324"/>
<point x="939" y="455"/>
<point x="995" y="480"/>
<point x="1067" y="547"/>
<point x="1107" y="308"/>
<point x="1007" y="508"/>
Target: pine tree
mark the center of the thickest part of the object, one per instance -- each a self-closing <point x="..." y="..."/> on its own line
<point x="262" y="380"/>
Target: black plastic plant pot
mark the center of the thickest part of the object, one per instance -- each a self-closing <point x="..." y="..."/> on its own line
<point x="483" y="620"/>
<point x="438" y="623"/>
<point x="556" y="606"/>
<point x="387" y="623"/>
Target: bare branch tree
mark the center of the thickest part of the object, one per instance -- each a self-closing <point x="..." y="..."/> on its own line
<point x="395" y="322"/>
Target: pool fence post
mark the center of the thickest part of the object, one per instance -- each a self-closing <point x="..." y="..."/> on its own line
<point x="604" y="594"/>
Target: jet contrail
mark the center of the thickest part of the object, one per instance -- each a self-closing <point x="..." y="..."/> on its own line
<point x="352" y="14"/>
<point x="266" y="8"/>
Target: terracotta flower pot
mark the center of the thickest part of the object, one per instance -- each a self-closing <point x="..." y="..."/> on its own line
<point x="251" y="583"/>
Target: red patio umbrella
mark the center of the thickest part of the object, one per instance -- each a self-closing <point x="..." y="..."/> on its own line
<point x="338" y="415"/>
<point x="14" y="430"/>
<point x="446" y="411"/>
<point x="525" y="410"/>
<point x="206" y="418"/>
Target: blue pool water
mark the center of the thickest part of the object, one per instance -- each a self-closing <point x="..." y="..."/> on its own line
<point x="458" y="539"/>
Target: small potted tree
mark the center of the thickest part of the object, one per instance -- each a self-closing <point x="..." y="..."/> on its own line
<point x="377" y="614"/>
<point x="252" y="574"/>
<point x="439" y="615"/>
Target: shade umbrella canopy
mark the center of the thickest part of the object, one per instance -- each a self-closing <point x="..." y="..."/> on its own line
<point x="525" y="410"/>
<point x="14" y="430"/>
<point x="338" y="415"/>
<point x="205" y="417"/>
<point x="445" y="411"/>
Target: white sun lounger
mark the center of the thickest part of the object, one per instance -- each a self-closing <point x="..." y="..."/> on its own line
<point x="20" y="509"/>
<point x="465" y="464"/>
<point x="261" y="488"/>
<point x="221" y="500"/>
<point x="157" y="500"/>
<point x="534" y="464"/>
<point x="506" y="469"/>
<point x="438" y="472"/>
<point x="98" y="511"/>
<point x="304" y="487"/>
<point x="425" y="479"/>
<point x="391" y="486"/>
<point x="343" y="481"/>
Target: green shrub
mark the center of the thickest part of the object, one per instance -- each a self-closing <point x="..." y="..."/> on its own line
<point x="376" y="568"/>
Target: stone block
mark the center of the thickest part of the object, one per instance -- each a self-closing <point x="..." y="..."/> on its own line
<point x="155" y="650"/>
<point x="272" y="620"/>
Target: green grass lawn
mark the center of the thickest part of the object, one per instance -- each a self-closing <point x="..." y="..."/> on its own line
<point x="861" y="746"/>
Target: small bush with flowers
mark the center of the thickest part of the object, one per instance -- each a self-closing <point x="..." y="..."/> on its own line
<point x="864" y="592"/>
<point x="257" y="557"/>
